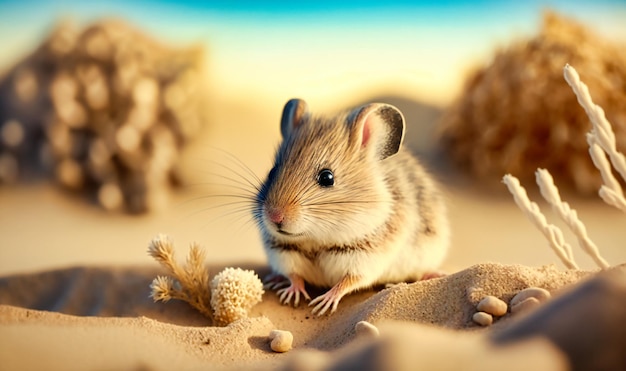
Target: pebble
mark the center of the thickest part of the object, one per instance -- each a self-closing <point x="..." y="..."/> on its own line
<point x="366" y="329"/>
<point x="482" y="318"/>
<point x="532" y="292"/>
<point x="281" y="341"/>
<point x="492" y="305"/>
<point x="525" y="305"/>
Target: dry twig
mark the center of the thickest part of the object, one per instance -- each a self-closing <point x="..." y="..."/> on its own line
<point x="552" y="233"/>
<point x="551" y="194"/>
<point x="601" y="142"/>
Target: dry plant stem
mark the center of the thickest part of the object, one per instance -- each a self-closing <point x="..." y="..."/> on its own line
<point x="196" y="281"/>
<point x="551" y="194"/>
<point x="161" y="250"/>
<point x="604" y="137"/>
<point x="611" y="191"/>
<point x="552" y="233"/>
<point x="190" y="283"/>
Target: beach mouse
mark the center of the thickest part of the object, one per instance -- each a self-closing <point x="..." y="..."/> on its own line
<point x="345" y="206"/>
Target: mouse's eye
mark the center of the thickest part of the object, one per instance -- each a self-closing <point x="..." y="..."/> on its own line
<point x="325" y="178"/>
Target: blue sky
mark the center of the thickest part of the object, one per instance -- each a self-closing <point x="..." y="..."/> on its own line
<point x="313" y="42"/>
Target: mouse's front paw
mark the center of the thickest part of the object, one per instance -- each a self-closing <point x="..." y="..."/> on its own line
<point x="331" y="298"/>
<point x="295" y="289"/>
<point x="275" y="281"/>
<point x="324" y="302"/>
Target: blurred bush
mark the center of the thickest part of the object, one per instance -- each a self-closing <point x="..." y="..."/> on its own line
<point x="518" y="113"/>
<point x="106" y="109"/>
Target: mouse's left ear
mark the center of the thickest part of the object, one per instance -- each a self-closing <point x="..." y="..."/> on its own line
<point x="293" y="115"/>
<point x="377" y="127"/>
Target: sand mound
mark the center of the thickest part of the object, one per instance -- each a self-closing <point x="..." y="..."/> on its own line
<point x="158" y="336"/>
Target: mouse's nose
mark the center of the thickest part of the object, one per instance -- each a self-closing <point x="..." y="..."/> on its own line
<point x="275" y="216"/>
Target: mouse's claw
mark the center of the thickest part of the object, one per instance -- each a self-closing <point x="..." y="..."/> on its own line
<point x="275" y="281"/>
<point x="331" y="298"/>
<point x="324" y="302"/>
<point x="293" y="291"/>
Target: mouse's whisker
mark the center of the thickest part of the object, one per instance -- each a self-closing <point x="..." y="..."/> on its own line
<point x="222" y="183"/>
<point x="242" y="211"/>
<point x="240" y="177"/>
<point x="325" y="203"/>
<point x="242" y="165"/>
<point x="235" y="205"/>
<point x="228" y="182"/>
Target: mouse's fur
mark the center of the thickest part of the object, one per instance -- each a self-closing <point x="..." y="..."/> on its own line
<point x="382" y="221"/>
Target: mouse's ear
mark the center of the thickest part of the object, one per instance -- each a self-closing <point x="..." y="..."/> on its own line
<point x="377" y="127"/>
<point x="293" y="115"/>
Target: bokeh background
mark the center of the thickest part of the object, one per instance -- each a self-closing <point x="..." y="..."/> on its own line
<point x="257" y="55"/>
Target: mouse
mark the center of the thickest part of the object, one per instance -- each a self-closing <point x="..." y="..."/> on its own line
<point x="346" y="207"/>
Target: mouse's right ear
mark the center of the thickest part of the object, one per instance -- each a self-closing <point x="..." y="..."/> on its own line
<point x="377" y="128"/>
<point x="293" y="115"/>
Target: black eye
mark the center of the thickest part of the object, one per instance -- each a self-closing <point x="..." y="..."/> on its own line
<point x="325" y="178"/>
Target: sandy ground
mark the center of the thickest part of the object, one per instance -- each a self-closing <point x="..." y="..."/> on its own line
<point x="75" y="284"/>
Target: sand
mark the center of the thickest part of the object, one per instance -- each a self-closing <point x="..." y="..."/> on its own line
<point x="114" y="326"/>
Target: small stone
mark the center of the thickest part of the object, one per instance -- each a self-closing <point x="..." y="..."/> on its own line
<point x="492" y="305"/>
<point x="482" y="318"/>
<point x="535" y="292"/>
<point x="366" y="329"/>
<point x="281" y="341"/>
<point x="525" y="305"/>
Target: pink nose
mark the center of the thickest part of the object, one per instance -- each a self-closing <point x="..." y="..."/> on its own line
<point x="275" y="216"/>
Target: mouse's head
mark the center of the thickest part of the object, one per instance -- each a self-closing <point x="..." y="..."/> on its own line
<point x="329" y="182"/>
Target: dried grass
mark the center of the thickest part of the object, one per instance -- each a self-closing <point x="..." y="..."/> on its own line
<point x="602" y="143"/>
<point x="229" y="296"/>
<point x="190" y="283"/>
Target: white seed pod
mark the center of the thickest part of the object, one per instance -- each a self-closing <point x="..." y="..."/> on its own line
<point x="281" y="341"/>
<point x="233" y="292"/>
<point x="482" y="318"/>
<point x="366" y="329"/>
<point x="525" y="305"/>
<point x="538" y="293"/>
<point x="492" y="305"/>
